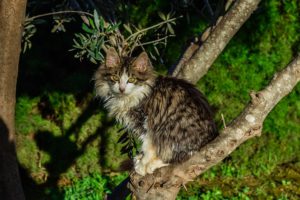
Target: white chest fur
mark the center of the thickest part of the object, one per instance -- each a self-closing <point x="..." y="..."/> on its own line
<point x="119" y="106"/>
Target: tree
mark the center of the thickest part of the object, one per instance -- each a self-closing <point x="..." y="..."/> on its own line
<point x="12" y="13"/>
<point x="195" y="62"/>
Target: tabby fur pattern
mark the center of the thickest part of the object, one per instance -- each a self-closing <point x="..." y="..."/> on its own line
<point x="170" y="116"/>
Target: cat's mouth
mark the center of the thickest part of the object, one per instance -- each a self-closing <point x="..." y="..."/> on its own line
<point x="120" y="94"/>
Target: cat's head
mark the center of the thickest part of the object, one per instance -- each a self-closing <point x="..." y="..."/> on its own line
<point x="123" y="76"/>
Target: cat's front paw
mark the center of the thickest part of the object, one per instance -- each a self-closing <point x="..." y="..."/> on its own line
<point x="139" y="165"/>
<point x="155" y="164"/>
<point x="137" y="159"/>
<point x="140" y="168"/>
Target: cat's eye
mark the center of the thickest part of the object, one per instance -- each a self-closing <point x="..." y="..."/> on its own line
<point x="115" y="78"/>
<point x="131" y="80"/>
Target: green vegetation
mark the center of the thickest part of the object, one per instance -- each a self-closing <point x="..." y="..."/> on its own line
<point x="68" y="146"/>
<point x="89" y="188"/>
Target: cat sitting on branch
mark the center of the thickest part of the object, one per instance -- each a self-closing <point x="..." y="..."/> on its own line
<point x="170" y="116"/>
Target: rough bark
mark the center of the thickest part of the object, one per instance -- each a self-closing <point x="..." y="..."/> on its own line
<point x="165" y="183"/>
<point x="196" y="63"/>
<point x="12" y="13"/>
<point x="192" y="48"/>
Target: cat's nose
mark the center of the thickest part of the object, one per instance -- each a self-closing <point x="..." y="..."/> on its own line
<point x="122" y="90"/>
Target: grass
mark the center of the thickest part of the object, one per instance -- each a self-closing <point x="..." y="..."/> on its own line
<point x="93" y="187"/>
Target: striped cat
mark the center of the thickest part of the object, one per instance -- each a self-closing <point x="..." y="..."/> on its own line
<point x="171" y="117"/>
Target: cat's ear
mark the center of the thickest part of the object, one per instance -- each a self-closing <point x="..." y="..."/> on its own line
<point x="112" y="58"/>
<point x="142" y="62"/>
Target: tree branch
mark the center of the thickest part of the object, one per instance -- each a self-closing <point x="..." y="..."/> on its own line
<point x="196" y="61"/>
<point x="59" y="13"/>
<point x="166" y="182"/>
<point x="195" y="45"/>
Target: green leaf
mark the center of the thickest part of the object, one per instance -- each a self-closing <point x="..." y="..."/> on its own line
<point x="62" y="28"/>
<point x="152" y="56"/>
<point x="102" y="23"/>
<point x="93" y="60"/>
<point x="82" y="37"/>
<point x="171" y="30"/>
<point x="25" y="47"/>
<point x="112" y="27"/>
<point x="91" y="22"/>
<point x="96" y="19"/>
<point x="86" y="28"/>
<point x="29" y="26"/>
<point x="156" y="50"/>
<point x="76" y="44"/>
<point x="162" y="15"/>
<point x="101" y="42"/>
<point x="127" y="28"/>
<point x="168" y="16"/>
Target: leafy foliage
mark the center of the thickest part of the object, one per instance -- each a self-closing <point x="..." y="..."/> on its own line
<point x="28" y="32"/>
<point x="129" y="143"/>
<point x="99" y="35"/>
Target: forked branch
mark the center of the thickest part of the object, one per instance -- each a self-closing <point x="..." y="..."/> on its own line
<point x="166" y="182"/>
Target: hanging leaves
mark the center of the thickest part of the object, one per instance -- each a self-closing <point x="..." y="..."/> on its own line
<point x="96" y="36"/>
<point x="99" y="35"/>
<point x="28" y="31"/>
<point x="129" y="144"/>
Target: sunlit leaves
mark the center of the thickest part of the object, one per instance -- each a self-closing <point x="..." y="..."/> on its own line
<point x="97" y="20"/>
<point x="99" y="35"/>
<point x="91" y="43"/>
<point x="59" y="24"/>
<point x="28" y="32"/>
<point x="127" y="28"/>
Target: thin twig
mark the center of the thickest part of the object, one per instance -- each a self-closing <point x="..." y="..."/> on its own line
<point x="59" y="13"/>
<point x="154" y="41"/>
<point x="211" y="12"/>
<point x="151" y="27"/>
<point x="223" y="120"/>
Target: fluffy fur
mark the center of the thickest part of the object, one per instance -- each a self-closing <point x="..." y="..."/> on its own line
<point x="169" y="115"/>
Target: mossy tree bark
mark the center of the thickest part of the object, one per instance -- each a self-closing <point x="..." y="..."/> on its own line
<point x="12" y="13"/>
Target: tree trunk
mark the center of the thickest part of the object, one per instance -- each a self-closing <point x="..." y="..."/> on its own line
<point x="12" y="13"/>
